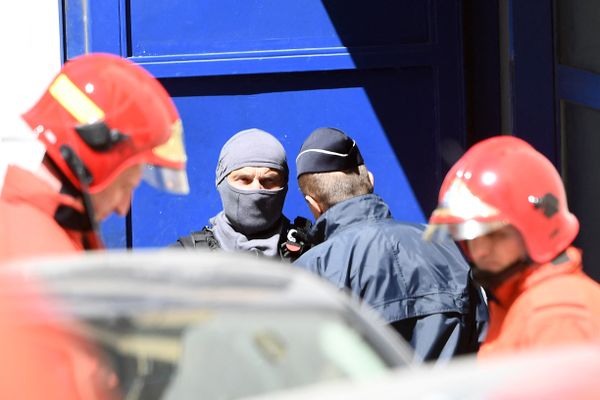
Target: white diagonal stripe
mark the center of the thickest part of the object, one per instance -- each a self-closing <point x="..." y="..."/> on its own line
<point x="332" y="153"/>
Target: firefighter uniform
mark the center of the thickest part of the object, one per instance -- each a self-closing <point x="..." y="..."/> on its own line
<point x="507" y="206"/>
<point x="552" y="304"/>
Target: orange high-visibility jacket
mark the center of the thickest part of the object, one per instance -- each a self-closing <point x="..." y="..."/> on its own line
<point x="42" y="358"/>
<point x="545" y="305"/>
<point x="27" y="224"/>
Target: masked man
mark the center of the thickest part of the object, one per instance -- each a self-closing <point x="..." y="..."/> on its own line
<point x="251" y="178"/>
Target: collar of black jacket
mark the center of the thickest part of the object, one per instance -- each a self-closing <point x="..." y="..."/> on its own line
<point x="359" y="209"/>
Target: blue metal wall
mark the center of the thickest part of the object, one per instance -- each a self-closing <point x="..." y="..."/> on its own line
<point x="389" y="73"/>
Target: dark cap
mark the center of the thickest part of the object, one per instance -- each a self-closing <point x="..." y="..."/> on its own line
<point x="326" y="150"/>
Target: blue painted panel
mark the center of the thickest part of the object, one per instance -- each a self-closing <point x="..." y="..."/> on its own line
<point x="166" y="27"/>
<point x="388" y="112"/>
<point x="272" y="36"/>
<point x="74" y="28"/>
<point x="92" y="26"/>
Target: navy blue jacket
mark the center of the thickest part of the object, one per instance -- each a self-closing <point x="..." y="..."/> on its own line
<point x="422" y="289"/>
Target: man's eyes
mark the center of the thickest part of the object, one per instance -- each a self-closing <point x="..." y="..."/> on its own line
<point x="267" y="182"/>
<point x="271" y="182"/>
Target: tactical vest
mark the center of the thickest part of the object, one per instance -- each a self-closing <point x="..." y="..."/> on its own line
<point x="292" y="242"/>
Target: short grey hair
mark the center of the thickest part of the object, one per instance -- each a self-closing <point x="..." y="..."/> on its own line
<point x="330" y="188"/>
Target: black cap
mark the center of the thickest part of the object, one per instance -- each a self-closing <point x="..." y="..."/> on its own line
<point x="326" y="150"/>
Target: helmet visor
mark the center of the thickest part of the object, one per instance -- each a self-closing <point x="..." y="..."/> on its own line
<point x="169" y="179"/>
<point x="466" y="230"/>
<point x="165" y="169"/>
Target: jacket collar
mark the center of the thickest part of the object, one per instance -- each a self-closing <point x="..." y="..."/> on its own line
<point x="357" y="209"/>
<point x="567" y="263"/>
<point x="22" y="185"/>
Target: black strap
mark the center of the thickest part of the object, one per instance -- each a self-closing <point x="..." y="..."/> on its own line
<point x="68" y="217"/>
<point x="204" y="239"/>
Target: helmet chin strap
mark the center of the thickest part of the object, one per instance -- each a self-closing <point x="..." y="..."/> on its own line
<point x="491" y="280"/>
<point x="91" y="241"/>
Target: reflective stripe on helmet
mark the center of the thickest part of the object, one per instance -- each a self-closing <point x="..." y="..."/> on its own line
<point x="77" y="103"/>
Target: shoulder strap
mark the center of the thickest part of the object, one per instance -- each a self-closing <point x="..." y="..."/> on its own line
<point x="199" y="239"/>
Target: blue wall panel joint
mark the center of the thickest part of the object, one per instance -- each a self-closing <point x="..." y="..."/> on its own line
<point x="289" y="61"/>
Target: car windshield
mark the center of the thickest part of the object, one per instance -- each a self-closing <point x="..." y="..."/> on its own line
<point x="227" y="354"/>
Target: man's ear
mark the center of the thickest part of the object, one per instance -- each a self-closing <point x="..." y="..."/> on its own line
<point x="315" y="207"/>
<point x="371" y="178"/>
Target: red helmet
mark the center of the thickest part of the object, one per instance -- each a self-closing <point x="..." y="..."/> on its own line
<point x="505" y="181"/>
<point x="110" y="114"/>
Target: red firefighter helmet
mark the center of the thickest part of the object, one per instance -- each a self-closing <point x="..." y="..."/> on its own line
<point x="111" y="114"/>
<point x="505" y="181"/>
